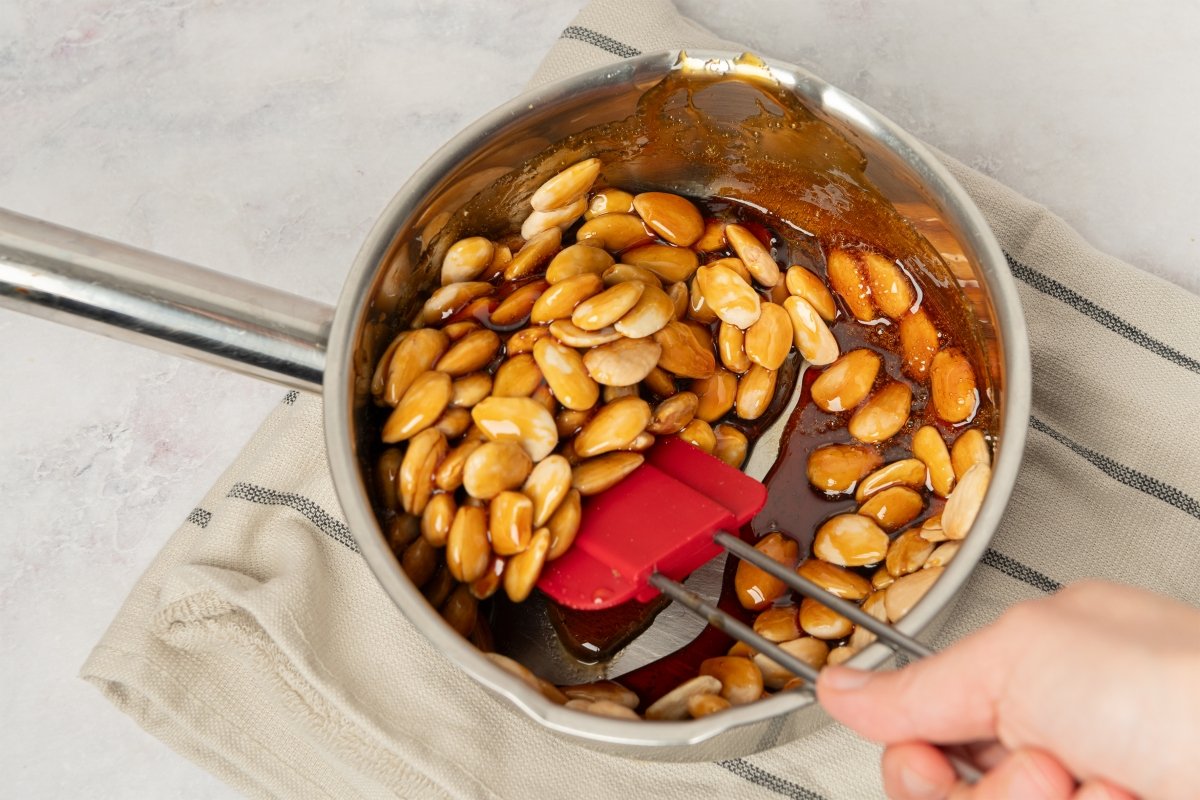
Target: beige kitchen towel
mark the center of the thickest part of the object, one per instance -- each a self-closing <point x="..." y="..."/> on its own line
<point x="259" y="645"/>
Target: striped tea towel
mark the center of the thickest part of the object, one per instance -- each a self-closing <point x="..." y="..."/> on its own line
<point x="260" y="646"/>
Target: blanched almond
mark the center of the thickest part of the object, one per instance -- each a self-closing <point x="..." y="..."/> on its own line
<point x="415" y="482"/>
<point x="510" y="522"/>
<point x="561" y="218"/>
<point x="893" y="508"/>
<point x="520" y="420"/>
<point x="837" y="581"/>
<point x="837" y="468"/>
<point x="932" y="530"/>
<point x="754" y="255"/>
<point x="755" y="390"/>
<point x="845" y="269"/>
<point x="420" y="407"/>
<point x="942" y="555"/>
<point x="701" y="705"/>
<point x="678" y="292"/>
<point x="649" y="315"/>
<point x="387" y="471"/>
<point x="517" y="377"/>
<point x="876" y="606"/>
<point x="735" y="264"/>
<point x="669" y="263"/>
<point x="731" y="446"/>
<point x="610" y="691"/>
<point x="568" y="185"/>
<point x="850" y="540"/>
<point x="524" y="569"/>
<point x="468" y="553"/>
<point x="623" y="362"/>
<point x="437" y="517"/>
<point x="890" y="287"/>
<point x="419" y="561"/>
<point x="620" y="273"/>
<point x="927" y="445"/>
<point x="713" y="237"/>
<point x="731" y="298"/>
<point x="560" y="299"/>
<point x="882" y="417"/>
<point x="604" y="708"/>
<point x="466" y="259"/>
<point x="741" y="679"/>
<point x="698" y="308"/>
<point x="572" y="335"/>
<point x="808" y="649"/>
<point x="840" y="655"/>
<point x="523" y="340"/>
<point x="881" y="579"/>
<point x="448" y="476"/>
<point x="731" y="347"/>
<point x="457" y="330"/>
<point x="660" y="382"/>
<point x="907" y="591"/>
<point x="670" y="216"/>
<point x="908" y="472"/>
<point x="535" y="254"/>
<point x="569" y="421"/>
<point x="919" y="343"/>
<point x="470" y="389"/>
<point x="673" y="704"/>
<point x="804" y="283"/>
<point x="907" y="552"/>
<point x="681" y="354"/>
<point x="847" y="381"/>
<point x="609" y="201"/>
<point x="470" y="353"/>
<point x="566" y="374"/>
<point x="756" y="589"/>
<point x="453" y="422"/>
<point x="952" y="386"/>
<point x="547" y="486"/>
<point x="699" y="433"/>
<point x="604" y="309"/>
<point x="970" y="448"/>
<point x="716" y="394"/>
<point x="769" y="340"/>
<point x="564" y="524"/>
<point x="379" y="377"/>
<point x="964" y="502"/>
<point x="812" y="336"/>
<point x="418" y="352"/>
<point x="611" y="393"/>
<point x="594" y="475"/>
<point x="495" y="467"/>
<point x="614" y="232"/>
<point x="778" y="624"/>
<point x="578" y="259"/>
<point x="671" y="415"/>
<point x="460" y="610"/>
<point x="613" y="427"/>
<point x="823" y="623"/>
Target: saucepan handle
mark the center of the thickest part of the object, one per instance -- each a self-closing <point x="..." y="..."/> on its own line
<point x="152" y="300"/>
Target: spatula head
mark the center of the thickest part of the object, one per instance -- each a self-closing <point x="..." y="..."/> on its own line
<point x="661" y="518"/>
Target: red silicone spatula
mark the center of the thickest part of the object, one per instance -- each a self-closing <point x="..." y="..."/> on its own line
<point x="660" y="518"/>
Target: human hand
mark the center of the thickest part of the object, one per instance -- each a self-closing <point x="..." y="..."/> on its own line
<point x="1092" y="693"/>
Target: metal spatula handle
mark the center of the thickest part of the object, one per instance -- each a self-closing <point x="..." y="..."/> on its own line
<point x="744" y="633"/>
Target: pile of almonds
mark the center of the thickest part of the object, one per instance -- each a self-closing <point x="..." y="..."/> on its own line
<point x="541" y="370"/>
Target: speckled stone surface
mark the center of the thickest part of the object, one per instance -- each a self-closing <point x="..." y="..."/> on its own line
<point x="261" y="139"/>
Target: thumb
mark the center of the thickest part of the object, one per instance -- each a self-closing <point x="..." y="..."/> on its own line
<point x="949" y="697"/>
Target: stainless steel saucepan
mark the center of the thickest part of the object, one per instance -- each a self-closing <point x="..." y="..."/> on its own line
<point x="153" y="300"/>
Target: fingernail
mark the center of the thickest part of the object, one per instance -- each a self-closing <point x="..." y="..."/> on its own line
<point x="917" y="785"/>
<point x="844" y="679"/>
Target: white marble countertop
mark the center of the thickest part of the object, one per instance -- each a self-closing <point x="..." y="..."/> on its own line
<point x="262" y="139"/>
